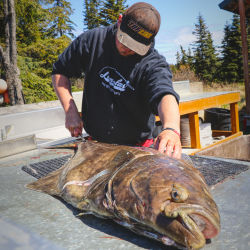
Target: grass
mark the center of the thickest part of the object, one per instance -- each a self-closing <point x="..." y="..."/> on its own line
<point x="240" y="87"/>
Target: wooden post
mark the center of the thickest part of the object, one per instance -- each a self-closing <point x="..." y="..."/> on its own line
<point x="244" y="53"/>
<point x="194" y="130"/>
<point x="234" y="118"/>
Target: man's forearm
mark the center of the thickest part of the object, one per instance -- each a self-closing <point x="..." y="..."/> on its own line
<point x="169" y="114"/>
<point x="73" y="121"/>
<point x="62" y="88"/>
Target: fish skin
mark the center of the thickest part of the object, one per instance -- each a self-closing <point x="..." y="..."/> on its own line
<point x="154" y="195"/>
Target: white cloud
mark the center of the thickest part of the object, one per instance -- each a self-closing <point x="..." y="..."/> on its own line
<point x="184" y="37"/>
<point x="168" y="42"/>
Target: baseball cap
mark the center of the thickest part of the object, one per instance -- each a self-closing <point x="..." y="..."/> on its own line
<point x="140" y="24"/>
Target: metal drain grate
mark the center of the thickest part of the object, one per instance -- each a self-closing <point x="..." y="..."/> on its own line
<point x="214" y="171"/>
<point x="43" y="168"/>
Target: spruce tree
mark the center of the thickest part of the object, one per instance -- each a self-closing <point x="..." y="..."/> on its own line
<point x="59" y="21"/>
<point x="232" y="64"/>
<point x="205" y="57"/>
<point x="183" y="56"/>
<point x="9" y="55"/>
<point x="38" y="45"/>
<point x="30" y="21"/>
<point x="92" y="10"/>
<point x="111" y="10"/>
<point x="190" y="58"/>
<point x="178" y="60"/>
<point x="102" y="12"/>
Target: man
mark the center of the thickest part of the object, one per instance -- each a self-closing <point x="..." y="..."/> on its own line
<point x="126" y="83"/>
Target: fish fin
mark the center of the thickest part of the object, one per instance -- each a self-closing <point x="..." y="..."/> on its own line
<point x="47" y="184"/>
<point x="82" y="214"/>
<point x="121" y="212"/>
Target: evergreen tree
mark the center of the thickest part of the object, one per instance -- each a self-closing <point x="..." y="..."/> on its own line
<point x="30" y="21"/>
<point x="190" y="58"/>
<point x="232" y="64"/>
<point x="38" y="43"/>
<point x="60" y="23"/>
<point x="205" y="57"/>
<point x="184" y="57"/>
<point x="92" y="13"/>
<point x="111" y="10"/>
<point x="178" y="60"/>
<point x="102" y="12"/>
<point x="8" y="57"/>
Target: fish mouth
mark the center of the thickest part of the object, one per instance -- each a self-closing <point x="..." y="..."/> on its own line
<point x="208" y="229"/>
<point x="199" y="223"/>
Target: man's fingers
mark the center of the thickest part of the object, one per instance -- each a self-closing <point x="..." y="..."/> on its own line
<point x="169" y="144"/>
<point x="75" y="131"/>
<point x="161" y="145"/>
<point x="177" y="152"/>
<point x="169" y="149"/>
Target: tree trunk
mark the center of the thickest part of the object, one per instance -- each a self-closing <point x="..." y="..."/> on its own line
<point x="9" y="57"/>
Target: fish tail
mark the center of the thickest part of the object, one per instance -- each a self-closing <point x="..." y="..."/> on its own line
<point x="47" y="184"/>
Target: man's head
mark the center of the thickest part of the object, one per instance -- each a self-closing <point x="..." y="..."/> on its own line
<point x="138" y="27"/>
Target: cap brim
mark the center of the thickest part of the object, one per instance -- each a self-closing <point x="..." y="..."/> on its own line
<point x="132" y="44"/>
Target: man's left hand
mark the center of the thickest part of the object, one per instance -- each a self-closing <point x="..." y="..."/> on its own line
<point x="168" y="142"/>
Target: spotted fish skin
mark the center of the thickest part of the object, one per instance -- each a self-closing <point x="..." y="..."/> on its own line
<point x="151" y="194"/>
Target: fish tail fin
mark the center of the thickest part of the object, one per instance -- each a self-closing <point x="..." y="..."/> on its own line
<point x="47" y="184"/>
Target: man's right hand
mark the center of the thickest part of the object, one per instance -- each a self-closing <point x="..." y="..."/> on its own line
<point x="73" y="121"/>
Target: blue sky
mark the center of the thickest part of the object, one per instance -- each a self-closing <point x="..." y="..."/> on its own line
<point x="178" y="18"/>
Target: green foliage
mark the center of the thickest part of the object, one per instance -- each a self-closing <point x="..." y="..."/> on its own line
<point x="43" y="32"/>
<point x="92" y="11"/>
<point x="36" y="21"/>
<point x="205" y="62"/>
<point x="232" y="64"/>
<point x="205" y="56"/>
<point x="102" y="12"/>
<point x="35" y="88"/>
<point x="178" y="60"/>
<point x="58" y="19"/>
<point x="111" y="10"/>
<point x="30" y="19"/>
<point x="184" y="58"/>
<point x="35" y="63"/>
<point x="45" y="53"/>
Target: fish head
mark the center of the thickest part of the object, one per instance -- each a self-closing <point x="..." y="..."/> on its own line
<point x="173" y="198"/>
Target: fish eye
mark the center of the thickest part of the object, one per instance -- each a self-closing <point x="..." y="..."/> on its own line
<point x="179" y="194"/>
<point x="175" y="194"/>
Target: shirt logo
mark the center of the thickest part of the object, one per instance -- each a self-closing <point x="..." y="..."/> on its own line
<point x="114" y="81"/>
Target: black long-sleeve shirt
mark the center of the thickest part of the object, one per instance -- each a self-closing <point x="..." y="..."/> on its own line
<point x="121" y="94"/>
